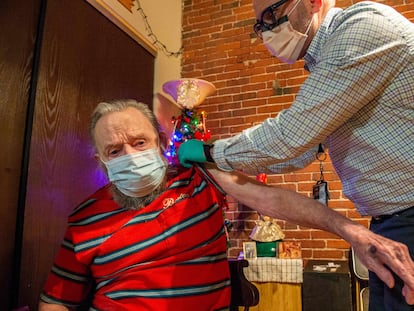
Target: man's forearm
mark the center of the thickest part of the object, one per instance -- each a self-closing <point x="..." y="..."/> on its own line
<point x="285" y="204"/>
<point x="378" y="253"/>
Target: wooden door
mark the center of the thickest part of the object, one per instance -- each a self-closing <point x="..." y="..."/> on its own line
<point x="18" y="24"/>
<point x="84" y="59"/>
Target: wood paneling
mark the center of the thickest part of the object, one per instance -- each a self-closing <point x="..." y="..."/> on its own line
<point x="17" y="38"/>
<point x="84" y="59"/>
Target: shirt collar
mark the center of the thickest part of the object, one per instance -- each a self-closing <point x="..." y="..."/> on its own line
<point x="311" y="56"/>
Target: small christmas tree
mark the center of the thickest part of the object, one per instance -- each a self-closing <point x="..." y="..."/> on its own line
<point x="191" y="124"/>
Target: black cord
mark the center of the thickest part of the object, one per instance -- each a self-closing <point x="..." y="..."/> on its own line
<point x="161" y="46"/>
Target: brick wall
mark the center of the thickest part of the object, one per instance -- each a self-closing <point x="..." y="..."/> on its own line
<point x="220" y="47"/>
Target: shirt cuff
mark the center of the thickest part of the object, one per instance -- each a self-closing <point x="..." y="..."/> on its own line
<point x="219" y="157"/>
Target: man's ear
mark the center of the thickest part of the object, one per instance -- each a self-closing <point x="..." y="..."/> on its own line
<point x="100" y="163"/>
<point x="163" y="141"/>
<point x="316" y="5"/>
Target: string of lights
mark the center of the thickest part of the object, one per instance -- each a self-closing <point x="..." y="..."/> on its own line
<point x="157" y="43"/>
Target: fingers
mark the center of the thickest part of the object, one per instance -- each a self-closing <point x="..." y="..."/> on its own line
<point x="408" y="295"/>
<point x="385" y="255"/>
<point x="377" y="266"/>
<point x="398" y="259"/>
<point x="382" y="256"/>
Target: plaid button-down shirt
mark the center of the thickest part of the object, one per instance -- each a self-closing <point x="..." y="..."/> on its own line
<point x="358" y="99"/>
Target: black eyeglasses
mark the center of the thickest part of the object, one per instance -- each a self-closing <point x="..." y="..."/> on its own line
<point x="268" y="20"/>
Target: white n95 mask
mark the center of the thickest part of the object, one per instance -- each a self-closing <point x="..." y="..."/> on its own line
<point x="137" y="174"/>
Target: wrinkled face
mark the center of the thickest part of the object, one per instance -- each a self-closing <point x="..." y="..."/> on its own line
<point x="124" y="132"/>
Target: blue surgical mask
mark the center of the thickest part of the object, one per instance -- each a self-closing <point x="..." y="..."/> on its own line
<point x="137" y="174"/>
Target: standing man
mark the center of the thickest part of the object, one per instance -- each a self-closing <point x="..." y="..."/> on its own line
<point x="358" y="100"/>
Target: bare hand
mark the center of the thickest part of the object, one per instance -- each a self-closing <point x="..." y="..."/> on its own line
<point x="380" y="255"/>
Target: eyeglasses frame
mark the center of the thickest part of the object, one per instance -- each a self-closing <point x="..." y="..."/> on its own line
<point x="261" y="26"/>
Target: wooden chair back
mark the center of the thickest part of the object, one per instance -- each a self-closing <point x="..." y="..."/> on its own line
<point x="243" y="292"/>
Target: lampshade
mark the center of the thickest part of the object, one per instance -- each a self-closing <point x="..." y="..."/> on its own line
<point x="188" y="93"/>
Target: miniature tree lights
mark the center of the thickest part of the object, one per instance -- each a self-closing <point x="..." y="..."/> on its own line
<point x="191" y="124"/>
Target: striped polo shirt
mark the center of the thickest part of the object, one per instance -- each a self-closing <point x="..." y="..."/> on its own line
<point x="169" y="255"/>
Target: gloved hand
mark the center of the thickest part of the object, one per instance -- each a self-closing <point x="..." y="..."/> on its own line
<point x="191" y="151"/>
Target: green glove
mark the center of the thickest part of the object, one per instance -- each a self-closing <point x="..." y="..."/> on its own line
<point x="191" y="151"/>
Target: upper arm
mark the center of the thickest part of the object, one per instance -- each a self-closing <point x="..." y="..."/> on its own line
<point x="243" y="188"/>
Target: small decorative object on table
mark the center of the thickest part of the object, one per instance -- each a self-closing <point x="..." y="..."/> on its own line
<point x="266" y="233"/>
<point x="249" y="250"/>
<point x="290" y="249"/>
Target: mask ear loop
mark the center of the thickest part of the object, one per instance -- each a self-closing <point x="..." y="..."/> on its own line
<point x="102" y="161"/>
<point x="294" y="7"/>
<point x="285" y="18"/>
<point x="309" y="24"/>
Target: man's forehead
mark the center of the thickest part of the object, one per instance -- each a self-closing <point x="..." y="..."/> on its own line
<point x="128" y="117"/>
<point x="129" y="122"/>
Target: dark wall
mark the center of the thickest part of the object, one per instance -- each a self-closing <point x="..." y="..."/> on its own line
<point x="83" y="59"/>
